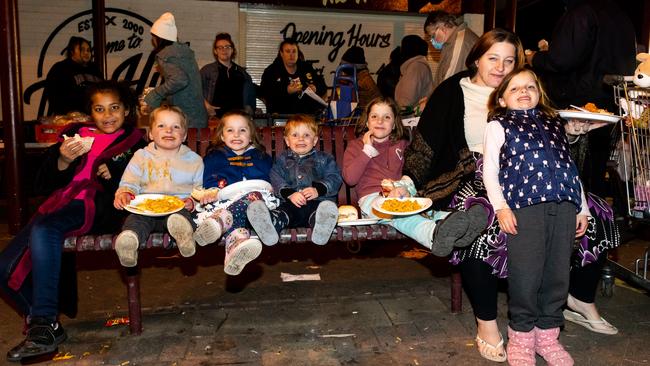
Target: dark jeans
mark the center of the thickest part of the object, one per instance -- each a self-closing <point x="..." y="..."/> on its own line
<point x="145" y="225"/>
<point x="39" y="294"/>
<point x="299" y="216"/>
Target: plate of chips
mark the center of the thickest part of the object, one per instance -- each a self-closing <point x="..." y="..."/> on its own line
<point x="155" y="205"/>
<point x="401" y="206"/>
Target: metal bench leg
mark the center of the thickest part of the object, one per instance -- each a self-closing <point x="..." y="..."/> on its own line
<point x="133" y="293"/>
<point x="456" y="293"/>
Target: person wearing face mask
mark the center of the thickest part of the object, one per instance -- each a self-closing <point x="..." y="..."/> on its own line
<point x="453" y="39"/>
<point x="67" y="80"/>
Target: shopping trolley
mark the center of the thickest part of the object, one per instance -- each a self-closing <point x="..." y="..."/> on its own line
<point x="632" y="155"/>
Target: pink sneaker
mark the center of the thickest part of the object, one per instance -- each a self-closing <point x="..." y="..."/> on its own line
<point x="549" y="347"/>
<point x="521" y="348"/>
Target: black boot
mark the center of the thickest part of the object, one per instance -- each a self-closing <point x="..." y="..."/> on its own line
<point x="43" y="337"/>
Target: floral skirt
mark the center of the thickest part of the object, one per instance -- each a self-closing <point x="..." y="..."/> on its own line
<point x="491" y="246"/>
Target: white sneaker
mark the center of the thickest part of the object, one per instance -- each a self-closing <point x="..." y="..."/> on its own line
<point x="181" y="230"/>
<point x="208" y="232"/>
<point x="239" y="254"/>
<point x="126" y="247"/>
<point x="327" y="214"/>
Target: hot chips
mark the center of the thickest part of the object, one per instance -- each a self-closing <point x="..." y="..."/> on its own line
<point x="395" y="205"/>
<point x="161" y="205"/>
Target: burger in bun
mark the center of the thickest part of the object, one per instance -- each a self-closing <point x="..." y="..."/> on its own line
<point x="348" y="213"/>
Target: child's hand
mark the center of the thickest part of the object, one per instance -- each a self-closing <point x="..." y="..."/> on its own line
<point x="70" y="149"/>
<point x="582" y="223"/>
<point x="102" y="171"/>
<point x="367" y="138"/>
<point x="309" y="193"/>
<point x="399" y="192"/>
<point x="122" y="199"/>
<point x="298" y="199"/>
<point x="507" y="221"/>
<point x="189" y="204"/>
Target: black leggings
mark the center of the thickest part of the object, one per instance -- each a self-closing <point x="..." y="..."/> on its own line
<point x="584" y="280"/>
<point x="481" y="287"/>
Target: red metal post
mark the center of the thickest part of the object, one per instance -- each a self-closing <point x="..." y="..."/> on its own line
<point x="12" y="115"/>
<point x="99" y="35"/>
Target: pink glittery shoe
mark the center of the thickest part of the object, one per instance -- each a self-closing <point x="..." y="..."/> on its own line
<point x="549" y="347"/>
<point x="521" y="348"/>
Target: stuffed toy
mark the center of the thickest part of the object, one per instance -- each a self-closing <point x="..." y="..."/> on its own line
<point x="636" y="103"/>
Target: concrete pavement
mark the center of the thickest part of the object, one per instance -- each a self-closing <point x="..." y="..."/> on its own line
<point x="373" y="308"/>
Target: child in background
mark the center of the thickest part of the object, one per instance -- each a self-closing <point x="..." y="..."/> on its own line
<point x="165" y="166"/>
<point x="236" y="156"/>
<point x="379" y="154"/>
<point x="80" y="182"/>
<point x="307" y="180"/>
<point x="535" y="190"/>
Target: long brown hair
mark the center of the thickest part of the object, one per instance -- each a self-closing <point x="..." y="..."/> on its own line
<point x="218" y="142"/>
<point x="494" y="108"/>
<point x="398" y="133"/>
<point x="487" y="40"/>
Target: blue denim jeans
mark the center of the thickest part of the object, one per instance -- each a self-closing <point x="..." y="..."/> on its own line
<point x="39" y="294"/>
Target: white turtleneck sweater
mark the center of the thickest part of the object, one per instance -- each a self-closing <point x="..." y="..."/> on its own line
<point x="476" y="111"/>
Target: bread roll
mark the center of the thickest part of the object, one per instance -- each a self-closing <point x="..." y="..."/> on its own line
<point x="348" y="213"/>
<point x="86" y="142"/>
<point x="200" y="192"/>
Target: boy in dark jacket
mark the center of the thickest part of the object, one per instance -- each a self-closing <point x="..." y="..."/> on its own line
<point x="306" y="179"/>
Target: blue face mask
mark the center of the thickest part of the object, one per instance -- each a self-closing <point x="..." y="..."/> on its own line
<point x="435" y="44"/>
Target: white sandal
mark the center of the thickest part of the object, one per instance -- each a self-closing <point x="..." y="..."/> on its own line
<point x="484" y="346"/>
<point x="605" y="326"/>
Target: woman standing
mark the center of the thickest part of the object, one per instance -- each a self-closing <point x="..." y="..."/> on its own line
<point x="177" y="64"/>
<point x="226" y="85"/>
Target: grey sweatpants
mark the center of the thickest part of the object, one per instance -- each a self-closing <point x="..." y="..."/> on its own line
<point x="539" y="264"/>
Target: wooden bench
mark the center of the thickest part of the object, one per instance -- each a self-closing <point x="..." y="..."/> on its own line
<point x="333" y="140"/>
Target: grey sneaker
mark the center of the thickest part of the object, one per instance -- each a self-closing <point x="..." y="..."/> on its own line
<point x="260" y="219"/>
<point x="126" y="247"/>
<point x="327" y="214"/>
<point x="448" y="231"/>
<point x="181" y="230"/>
<point x="239" y="254"/>
<point x="477" y="222"/>
<point x="208" y="232"/>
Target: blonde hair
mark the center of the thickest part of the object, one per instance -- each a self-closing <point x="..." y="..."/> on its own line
<point x="495" y="108"/>
<point x="255" y="139"/>
<point x="170" y="108"/>
<point x="398" y="133"/>
<point x="301" y="119"/>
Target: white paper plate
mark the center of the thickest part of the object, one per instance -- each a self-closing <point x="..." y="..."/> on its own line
<point x="236" y="189"/>
<point x="588" y="116"/>
<point x="425" y="203"/>
<point x="359" y="222"/>
<point x="140" y="198"/>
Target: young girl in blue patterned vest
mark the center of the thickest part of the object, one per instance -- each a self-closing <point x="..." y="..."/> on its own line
<point x="533" y="184"/>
